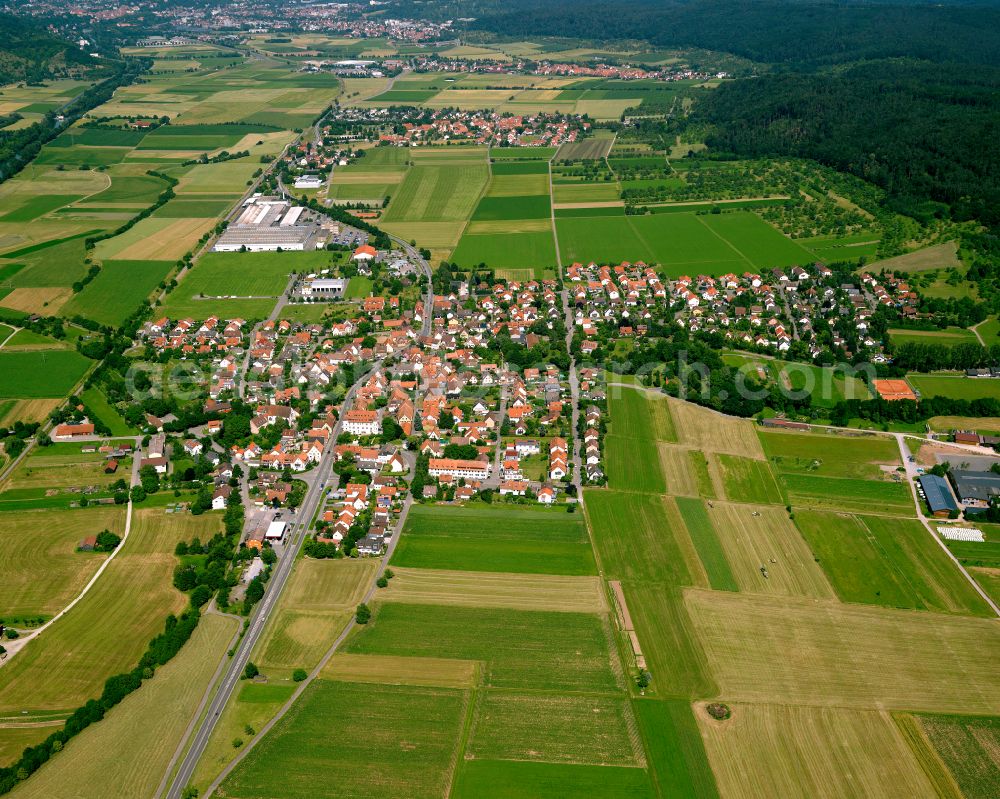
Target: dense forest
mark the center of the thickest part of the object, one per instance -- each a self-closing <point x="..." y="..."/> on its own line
<point x="30" y="53"/>
<point x="928" y="134"/>
<point x="768" y="31"/>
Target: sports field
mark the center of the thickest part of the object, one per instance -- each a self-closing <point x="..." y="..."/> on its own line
<point x="500" y="539"/>
<point x="955" y="387"/>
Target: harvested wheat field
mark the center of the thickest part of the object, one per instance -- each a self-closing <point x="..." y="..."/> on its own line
<point x="756" y="536"/>
<point x="710" y="431"/>
<point x="29" y="410"/>
<point x="393" y="670"/>
<point x="497" y="590"/>
<point x="44" y="300"/>
<point x="819" y="752"/>
<point x="823" y="653"/>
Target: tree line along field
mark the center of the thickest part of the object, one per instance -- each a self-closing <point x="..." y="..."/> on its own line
<point x="68" y="664"/>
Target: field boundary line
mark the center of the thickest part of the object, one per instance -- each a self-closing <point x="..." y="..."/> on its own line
<point x="552" y="218"/>
<point x="725" y="241"/>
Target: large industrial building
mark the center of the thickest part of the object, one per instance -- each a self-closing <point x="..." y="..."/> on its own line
<point x="268" y="224"/>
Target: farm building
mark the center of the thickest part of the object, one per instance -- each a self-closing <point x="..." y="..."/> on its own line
<point x="939" y="496"/>
<point x="975" y="488"/>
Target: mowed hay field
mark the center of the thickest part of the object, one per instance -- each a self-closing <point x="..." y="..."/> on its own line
<point x="845" y="655"/>
<point x="411" y="751"/>
<point x="595" y="730"/>
<point x="761" y="536"/>
<point x="393" y="670"/>
<point x="437" y="193"/>
<point x="639" y="420"/>
<point x="155" y="239"/>
<point x="827" y="753"/>
<point x="109" y="629"/>
<point x="317" y="604"/>
<point x="496" y="590"/>
<point x="40" y="569"/>
<point x="152" y="721"/>
<point x="710" y="431"/>
<point x="534" y="650"/>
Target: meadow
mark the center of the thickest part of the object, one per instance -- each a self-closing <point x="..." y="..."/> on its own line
<point x="507" y="779"/>
<point x="847" y="494"/>
<point x="40" y="569"/>
<point x="680" y="243"/>
<point x="119" y="288"/>
<point x="128" y="605"/>
<point x="948" y="337"/>
<point x="152" y="720"/>
<point x="706" y="542"/>
<point x="559" y="652"/>
<point x="826" y="455"/>
<point x="748" y="480"/>
<point x="889" y="562"/>
<point x="411" y="751"/>
<point x="495" y="539"/>
<point x="496" y="590"/>
<point x="955" y="386"/>
<point x="805" y="751"/>
<point x="41" y="373"/>
<point x="316" y="606"/>
<point x="238" y="284"/>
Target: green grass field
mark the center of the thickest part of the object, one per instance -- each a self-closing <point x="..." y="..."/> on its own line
<point x="955" y="387"/>
<point x="438" y="193"/>
<point x="561" y="652"/>
<point x="506" y="779"/>
<point x="641" y="539"/>
<point x="530" y="250"/>
<point x="391" y="741"/>
<point x="706" y="541"/>
<point x="98" y="404"/>
<point x="949" y="337"/>
<point x="891" y="562"/>
<point x="836" y="493"/>
<point x="675" y="753"/>
<point x="633" y="464"/>
<point x="260" y="275"/>
<point x="532" y="206"/>
<point x="503" y="539"/>
<point x="116" y="292"/>
<point x="749" y="480"/>
<point x="681" y="243"/>
<point x="826" y="455"/>
<point x="41" y="373"/>
<point x="592" y="730"/>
